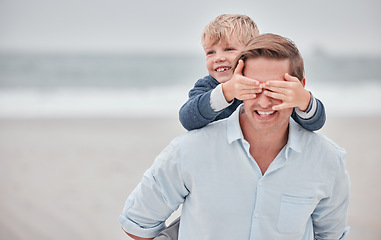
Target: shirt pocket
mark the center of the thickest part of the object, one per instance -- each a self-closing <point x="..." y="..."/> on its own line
<point x="294" y="213"/>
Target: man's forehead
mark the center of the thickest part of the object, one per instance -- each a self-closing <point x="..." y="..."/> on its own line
<point x="264" y="69"/>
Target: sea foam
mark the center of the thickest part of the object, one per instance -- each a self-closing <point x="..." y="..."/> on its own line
<point x="351" y="100"/>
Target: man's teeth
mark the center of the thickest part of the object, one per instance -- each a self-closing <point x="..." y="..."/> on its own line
<point x="265" y="114"/>
<point x="222" y="69"/>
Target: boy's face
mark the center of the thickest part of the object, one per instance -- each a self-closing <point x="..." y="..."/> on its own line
<point x="220" y="58"/>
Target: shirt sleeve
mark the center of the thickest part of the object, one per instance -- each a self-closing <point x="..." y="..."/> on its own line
<point x="217" y="99"/>
<point x="160" y="192"/>
<point x="330" y="215"/>
<point x="313" y="118"/>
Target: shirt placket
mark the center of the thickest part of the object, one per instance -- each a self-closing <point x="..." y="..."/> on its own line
<point x="278" y="162"/>
<point x="256" y="215"/>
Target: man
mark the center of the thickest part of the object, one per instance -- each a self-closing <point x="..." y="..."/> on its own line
<point x="255" y="175"/>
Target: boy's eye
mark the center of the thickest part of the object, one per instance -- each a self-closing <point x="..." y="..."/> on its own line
<point x="210" y="52"/>
<point x="229" y="49"/>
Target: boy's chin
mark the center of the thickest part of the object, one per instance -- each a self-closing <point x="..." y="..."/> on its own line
<point x="222" y="79"/>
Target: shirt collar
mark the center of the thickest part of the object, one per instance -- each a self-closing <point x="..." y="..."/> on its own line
<point x="234" y="131"/>
<point x="294" y="138"/>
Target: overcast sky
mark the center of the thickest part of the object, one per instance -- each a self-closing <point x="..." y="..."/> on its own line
<point x="337" y="26"/>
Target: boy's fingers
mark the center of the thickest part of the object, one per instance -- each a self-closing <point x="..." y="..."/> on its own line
<point x="250" y="81"/>
<point x="289" y="80"/>
<point x="239" y="68"/>
<point x="276" y="83"/>
<point x="258" y="90"/>
<point x="248" y="96"/>
<point x="254" y="90"/>
<point x="276" y="89"/>
<point x="274" y="95"/>
<point x="250" y="91"/>
<point x="288" y="77"/>
<point x="280" y="107"/>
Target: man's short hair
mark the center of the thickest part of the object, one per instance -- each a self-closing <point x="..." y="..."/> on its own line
<point x="229" y="28"/>
<point x="273" y="46"/>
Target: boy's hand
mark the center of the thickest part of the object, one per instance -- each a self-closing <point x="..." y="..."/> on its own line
<point x="240" y="87"/>
<point x="291" y="92"/>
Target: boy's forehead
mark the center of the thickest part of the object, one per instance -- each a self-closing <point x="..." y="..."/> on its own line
<point x="223" y="42"/>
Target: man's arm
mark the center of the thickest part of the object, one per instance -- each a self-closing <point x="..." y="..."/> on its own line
<point x="160" y="192"/>
<point x="330" y="216"/>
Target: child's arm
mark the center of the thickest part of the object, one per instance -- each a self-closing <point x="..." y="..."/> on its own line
<point x="210" y="101"/>
<point x="197" y="112"/>
<point x="309" y="111"/>
<point x="313" y="118"/>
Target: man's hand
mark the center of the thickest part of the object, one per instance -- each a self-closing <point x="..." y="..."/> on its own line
<point x="240" y="87"/>
<point x="291" y="92"/>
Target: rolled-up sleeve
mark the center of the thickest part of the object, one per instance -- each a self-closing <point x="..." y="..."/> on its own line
<point x="160" y="192"/>
<point x="330" y="216"/>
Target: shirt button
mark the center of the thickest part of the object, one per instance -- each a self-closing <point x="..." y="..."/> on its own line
<point x="260" y="183"/>
<point x="256" y="215"/>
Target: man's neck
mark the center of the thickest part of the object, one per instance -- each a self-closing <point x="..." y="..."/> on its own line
<point x="264" y="146"/>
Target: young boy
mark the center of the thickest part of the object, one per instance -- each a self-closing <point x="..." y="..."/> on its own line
<point x="217" y="95"/>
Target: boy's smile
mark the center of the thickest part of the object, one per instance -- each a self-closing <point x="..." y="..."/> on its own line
<point x="223" y="69"/>
<point x="220" y="58"/>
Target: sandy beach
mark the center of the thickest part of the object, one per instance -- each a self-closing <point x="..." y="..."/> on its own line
<point x="69" y="178"/>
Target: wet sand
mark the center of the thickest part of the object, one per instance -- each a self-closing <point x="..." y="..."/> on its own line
<point x="69" y="178"/>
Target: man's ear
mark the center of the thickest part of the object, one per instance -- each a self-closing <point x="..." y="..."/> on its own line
<point x="303" y="81"/>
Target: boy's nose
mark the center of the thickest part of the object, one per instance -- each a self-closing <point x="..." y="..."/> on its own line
<point x="220" y="58"/>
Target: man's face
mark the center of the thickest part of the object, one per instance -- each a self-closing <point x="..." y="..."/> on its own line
<point x="259" y="111"/>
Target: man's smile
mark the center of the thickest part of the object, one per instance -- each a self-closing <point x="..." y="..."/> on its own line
<point x="265" y="114"/>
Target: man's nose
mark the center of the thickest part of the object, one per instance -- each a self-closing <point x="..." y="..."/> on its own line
<point x="264" y="101"/>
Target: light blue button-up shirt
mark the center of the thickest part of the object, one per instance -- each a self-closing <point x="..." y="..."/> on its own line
<point x="304" y="194"/>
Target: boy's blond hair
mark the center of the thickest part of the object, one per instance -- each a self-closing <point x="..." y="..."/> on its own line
<point x="229" y="28"/>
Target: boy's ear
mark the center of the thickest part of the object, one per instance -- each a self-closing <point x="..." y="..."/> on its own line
<point x="303" y="81"/>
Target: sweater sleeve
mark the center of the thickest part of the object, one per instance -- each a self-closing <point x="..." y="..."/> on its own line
<point x="316" y="121"/>
<point x="197" y="111"/>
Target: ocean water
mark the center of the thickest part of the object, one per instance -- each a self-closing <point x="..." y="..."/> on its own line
<point x="156" y="85"/>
